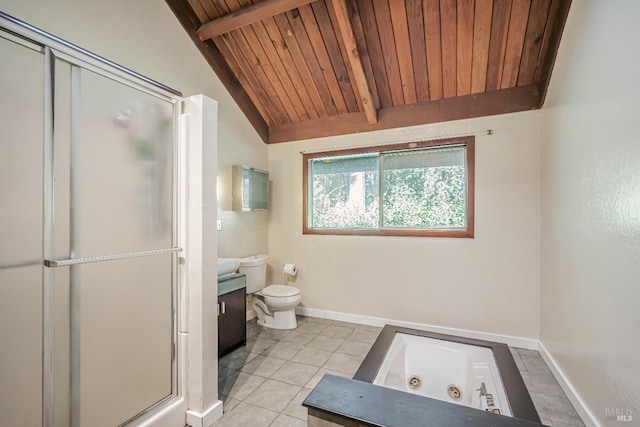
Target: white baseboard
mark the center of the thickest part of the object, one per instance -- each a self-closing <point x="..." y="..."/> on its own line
<point x="527" y="343"/>
<point x="577" y="401"/>
<point x="206" y="418"/>
<point x="250" y="315"/>
<point x="171" y="415"/>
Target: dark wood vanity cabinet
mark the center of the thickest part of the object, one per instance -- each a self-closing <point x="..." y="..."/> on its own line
<point x="232" y="326"/>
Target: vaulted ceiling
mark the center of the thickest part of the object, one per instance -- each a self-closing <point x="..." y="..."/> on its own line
<point x="302" y="68"/>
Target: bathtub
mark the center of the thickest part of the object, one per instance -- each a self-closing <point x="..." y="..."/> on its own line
<point x="445" y="370"/>
<point x="474" y="373"/>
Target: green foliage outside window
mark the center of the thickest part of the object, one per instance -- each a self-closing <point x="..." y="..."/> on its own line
<point x="424" y="198"/>
<point x="421" y="189"/>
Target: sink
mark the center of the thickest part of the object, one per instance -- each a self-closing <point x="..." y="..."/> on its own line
<point x="227" y="266"/>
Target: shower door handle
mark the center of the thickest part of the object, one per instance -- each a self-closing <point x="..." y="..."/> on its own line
<point x="102" y="258"/>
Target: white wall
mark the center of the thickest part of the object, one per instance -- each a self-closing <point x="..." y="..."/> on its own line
<point x="487" y="284"/>
<point x="243" y="233"/>
<point x="145" y="36"/>
<point x="590" y="317"/>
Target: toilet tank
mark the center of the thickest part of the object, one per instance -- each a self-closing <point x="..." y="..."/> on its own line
<point x="255" y="268"/>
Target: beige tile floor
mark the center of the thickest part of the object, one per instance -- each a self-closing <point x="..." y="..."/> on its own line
<point x="264" y="383"/>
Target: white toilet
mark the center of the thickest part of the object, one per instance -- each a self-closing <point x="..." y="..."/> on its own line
<point x="275" y="304"/>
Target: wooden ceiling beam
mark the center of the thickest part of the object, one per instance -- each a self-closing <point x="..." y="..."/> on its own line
<point x="346" y="32"/>
<point x="247" y="16"/>
<point x="503" y="101"/>
<point x="210" y="52"/>
<point x="553" y="44"/>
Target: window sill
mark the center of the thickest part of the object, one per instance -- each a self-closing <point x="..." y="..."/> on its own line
<point x="455" y="233"/>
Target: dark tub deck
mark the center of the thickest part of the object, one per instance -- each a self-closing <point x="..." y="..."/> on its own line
<point x="356" y="401"/>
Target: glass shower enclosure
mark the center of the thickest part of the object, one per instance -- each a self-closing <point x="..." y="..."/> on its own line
<point x="88" y="240"/>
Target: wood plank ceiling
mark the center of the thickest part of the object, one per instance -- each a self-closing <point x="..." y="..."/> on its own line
<point x="302" y="68"/>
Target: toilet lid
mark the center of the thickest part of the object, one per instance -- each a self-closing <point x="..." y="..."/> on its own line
<point x="280" y="291"/>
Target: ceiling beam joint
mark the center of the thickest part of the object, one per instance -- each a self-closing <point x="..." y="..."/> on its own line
<point x="346" y="31"/>
<point x="247" y="16"/>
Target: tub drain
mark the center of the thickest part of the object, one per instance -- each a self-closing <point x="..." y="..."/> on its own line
<point x="415" y="382"/>
<point x="454" y="392"/>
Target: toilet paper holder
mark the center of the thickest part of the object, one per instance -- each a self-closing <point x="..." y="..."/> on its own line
<point x="290" y="269"/>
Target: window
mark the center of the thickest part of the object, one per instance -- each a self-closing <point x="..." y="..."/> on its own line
<point x="411" y="189"/>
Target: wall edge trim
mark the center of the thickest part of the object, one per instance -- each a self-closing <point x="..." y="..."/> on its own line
<point x="574" y="397"/>
<point x="205" y="418"/>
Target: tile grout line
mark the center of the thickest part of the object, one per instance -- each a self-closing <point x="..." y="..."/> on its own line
<point x="529" y="362"/>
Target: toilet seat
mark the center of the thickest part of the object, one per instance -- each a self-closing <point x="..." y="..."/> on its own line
<point x="279" y="291"/>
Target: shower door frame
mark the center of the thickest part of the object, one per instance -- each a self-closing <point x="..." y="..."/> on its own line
<point x="53" y="47"/>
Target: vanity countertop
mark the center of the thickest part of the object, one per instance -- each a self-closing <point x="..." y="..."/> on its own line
<point x="231" y="283"/>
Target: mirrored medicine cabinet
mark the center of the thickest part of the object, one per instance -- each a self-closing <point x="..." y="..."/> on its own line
<point x="250" y="189"/>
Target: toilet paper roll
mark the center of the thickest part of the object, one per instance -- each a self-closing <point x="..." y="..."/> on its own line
<point x="290" y="269"/>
